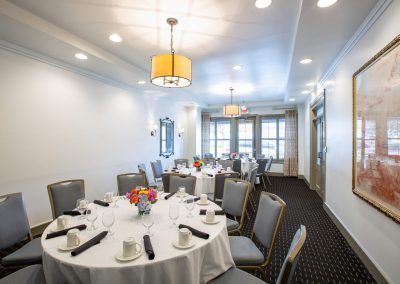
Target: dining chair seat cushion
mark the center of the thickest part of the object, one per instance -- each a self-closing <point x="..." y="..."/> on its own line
<point x="32" y="274"/>
<point x="231" y="224"/>
<point x="244" y="251"/>
<point x="30" y="253"/>
<point x="236" y="276"/>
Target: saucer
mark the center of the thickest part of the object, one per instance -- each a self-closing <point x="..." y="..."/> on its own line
<point x="189" y="245"/>
<point x="119" y="256"/>
<point x="198" y="202"/>
<point x="181" y="195"/>
<point x="63" y="247"/>
<point x="216" y="221"/>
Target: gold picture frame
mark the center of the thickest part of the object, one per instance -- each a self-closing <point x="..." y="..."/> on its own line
<point x="376" y="131"/>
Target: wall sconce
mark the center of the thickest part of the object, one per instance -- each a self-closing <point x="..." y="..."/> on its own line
<point x="180" y="133"/>
<point x="154" y="130"/>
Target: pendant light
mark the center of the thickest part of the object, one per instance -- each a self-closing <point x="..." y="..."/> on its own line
<point x="171" y="70"/>
<point x="231" y="110"/>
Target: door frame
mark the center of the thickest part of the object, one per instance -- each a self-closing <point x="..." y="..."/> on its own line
<point x="318" y="102"/>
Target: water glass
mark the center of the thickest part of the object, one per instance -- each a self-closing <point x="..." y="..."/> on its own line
<point x="160" y="190"/>
<point x="91" y="216"/>
<point x="174" y="213"/>
<point x="190" y="206"/>
<point x="108" y="220"/>
<point x="81" y="206"/>
<point x="115" y="199"/>
<point x="148" y="222"/>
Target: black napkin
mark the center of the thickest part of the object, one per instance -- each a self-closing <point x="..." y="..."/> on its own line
<point x="169" y="195"/>
<point x="101" y="203"/>
<point x="64" y="232"/>
<point x="73" y="213"/>
<point x="148" y="247"/>
<point x="193" y="200"/>
<point x="93" y="241"/>
<point x="217" y="212"/>
<point x="210" y="175"/>
<point x="195" y="232"/>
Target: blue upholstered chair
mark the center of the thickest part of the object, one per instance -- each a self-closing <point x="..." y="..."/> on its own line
<point x="182" y="162"/>
<point x="127" y="182"/>
<point x="220" y="184"/>
<point x="178" y="180"/>
<point x="225" y="164"/>
<point x="64" y="194"/>
<point x="29" y="275"/>
<point x="157" y="169"/>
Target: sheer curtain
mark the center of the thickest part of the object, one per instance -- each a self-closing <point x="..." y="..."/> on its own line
<point x="290" y="167"/>
<point x="205" y="133"/>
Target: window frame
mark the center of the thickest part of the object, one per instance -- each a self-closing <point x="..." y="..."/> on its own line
<point x="253" y="142"/>
<point x="215" y="120"/>
<point x="277" y="139"/>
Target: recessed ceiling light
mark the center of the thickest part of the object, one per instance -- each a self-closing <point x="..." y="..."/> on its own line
<point x="311" y="84"/>
<point x="261" y="4"/>
<point x="81" y="56"/>
<point x="115" y="38"/>
<point x="292" y="99"/>
<point x="237" y="67"/>
<point x="141" y="82"/>
<point x="305" y="92"/>
<point x="305" y="61"/>
<point x="325" y="3"/>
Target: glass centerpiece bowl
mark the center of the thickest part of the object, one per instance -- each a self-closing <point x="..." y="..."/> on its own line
<point x="142" y="198"/>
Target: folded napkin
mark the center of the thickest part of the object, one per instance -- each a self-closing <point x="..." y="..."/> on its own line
<point x="93" y="241"/>
<point x="193" y="200"/>
<point x="210" y="175"/>
<point x="217" y="212"/>
<point x="73" y="213"/>
<point x="169" y="195"/>
<point x="64" y="232"/>
<point x="148" y="247"/>
<point x="101" y="203"/>
<point x="195" y="232"/>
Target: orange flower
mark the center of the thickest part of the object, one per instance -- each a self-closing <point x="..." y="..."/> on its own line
<point x="134" y="191"/>
<point x="135" y="199"/>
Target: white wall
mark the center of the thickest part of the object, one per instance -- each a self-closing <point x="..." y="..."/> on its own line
<point x="377" y="234"/>
<point x="57" y="125"/>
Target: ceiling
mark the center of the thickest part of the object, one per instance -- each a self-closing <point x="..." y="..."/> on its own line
<point x="215" y="34"/>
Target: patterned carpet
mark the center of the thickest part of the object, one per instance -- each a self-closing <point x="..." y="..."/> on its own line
<point x="326" y="256"/>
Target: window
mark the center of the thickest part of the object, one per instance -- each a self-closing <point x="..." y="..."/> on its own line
<point x="246" y="136"/>
<point x="393" y="133"/>
<point x="365" y="138"/>
<point x="220" y="137"/>
<point x="273" y="137"/>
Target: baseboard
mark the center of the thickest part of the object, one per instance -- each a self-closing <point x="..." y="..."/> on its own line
<point x="275" y="174"/>
<point x="305" y="180"/>
<point x="39" y="229"/>
<point x="376" y="273"/>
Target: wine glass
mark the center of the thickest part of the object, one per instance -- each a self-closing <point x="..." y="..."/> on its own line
<point x="148" y="222"/>
<point x="160" y="190"/>
<point x="181" y="192"/>
<point x="190" y="206"/>
<point x="115" y="199"/>
<point x="108" y="220"/>
<point x="81" y="205"/>
<point x="91" y="216"/>
<point x="174" y="213"/>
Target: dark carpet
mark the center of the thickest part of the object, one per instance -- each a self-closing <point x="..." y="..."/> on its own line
<point x="326" y="256"/>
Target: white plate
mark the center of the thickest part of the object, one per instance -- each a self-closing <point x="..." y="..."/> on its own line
<point x="63" y="247"/>
<point x="181" y="195"/>
<point x="198" y="202"/>
<point x="216" y="221"/>
<point x="119" y="256"/>
<point x="189" y="245"/>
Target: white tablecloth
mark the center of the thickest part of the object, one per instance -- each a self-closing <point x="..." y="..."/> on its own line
<point x="204" y="183"/>
<point x="199" y="264"/>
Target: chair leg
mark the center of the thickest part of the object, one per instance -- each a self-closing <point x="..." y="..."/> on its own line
<point x="269" y="181"/>
<point x="263" y="182"/>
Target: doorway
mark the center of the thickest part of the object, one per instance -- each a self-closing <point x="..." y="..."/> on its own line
<point x="318" y="146"/>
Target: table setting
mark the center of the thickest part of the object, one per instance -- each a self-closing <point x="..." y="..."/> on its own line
<point x="143" y="237"/>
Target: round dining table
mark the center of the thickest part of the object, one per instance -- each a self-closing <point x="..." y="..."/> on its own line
<point x="204" y="261"/>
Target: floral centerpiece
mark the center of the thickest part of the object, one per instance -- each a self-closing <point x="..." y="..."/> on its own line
<point x="234" y="155"/>
<point x="142" y="198"/>
<point x="198" y="164"/>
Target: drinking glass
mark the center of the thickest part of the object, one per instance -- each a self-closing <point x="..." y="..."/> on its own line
<point x="115" y="199"/>
<point x="81" y="205"/>
<point x="160" y="190"/>
<point x="108" y="220"/>
<point x="181" y="195"/>
<point x="190" y="206"/>
<point x="174" y="213"/>
<point x="91" y="216"/>
<point x="148" y="222"/>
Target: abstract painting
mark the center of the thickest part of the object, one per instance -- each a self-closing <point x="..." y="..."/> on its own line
<point x="376" y="130"/>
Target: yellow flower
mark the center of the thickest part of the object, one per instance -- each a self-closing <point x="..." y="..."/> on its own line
<point x="143" y="192"/>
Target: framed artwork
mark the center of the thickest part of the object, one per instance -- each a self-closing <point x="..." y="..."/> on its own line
<point x="376" y="131"/>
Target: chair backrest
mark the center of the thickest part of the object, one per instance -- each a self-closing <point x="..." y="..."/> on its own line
<point x="268" y="168"/>
<point x="226" y="164"/>
<point x="196" y="158"/>
<point x="182" y="162"/>
<point x="208" y="155"/>
<point x="236" y="194"/>
<point x="210" y="161"/>
<point x="177" y="180"/>
<point x="251" y="177"/>
<point x="142" y="170"/>
<point x="220" y="184"/>
<point x="237" y="165"/>
<point x="292" y="257"/>
<point x="262" y="164"/>
<point x="271" y="209"/>
<point x="156" y="167"/>
<point x="14" y="225"/>
<point x="64" y="194"/>
<point x="260" y="156"/>
<point x="165" y="181"/>
<point x="127" y="182"/>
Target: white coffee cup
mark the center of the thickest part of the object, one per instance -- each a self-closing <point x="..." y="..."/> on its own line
<point x="130" y="247"/>
<point x="228" y="169"/>
<point x="210" y="215"/>
<point x="62" y="222"/>
<point x="73" y="238"/>
<point x="185" y="236"/>
<point x="203" y="198"/>
<point x="108" y="197"/>
<point x="182" y="190"/>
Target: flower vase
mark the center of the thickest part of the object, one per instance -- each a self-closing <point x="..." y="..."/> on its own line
<point x="144" y="205"/>
<point x="198" y="169"/>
